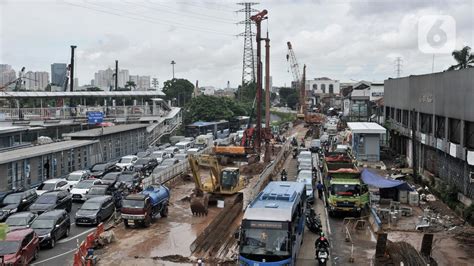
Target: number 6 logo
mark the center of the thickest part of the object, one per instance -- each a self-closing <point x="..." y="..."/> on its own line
<point x="436" y="34"/>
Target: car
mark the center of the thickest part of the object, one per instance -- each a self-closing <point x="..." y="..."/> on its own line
<point x="160" y="156"/>
<point x="306" y="177"/>
<point x="183" y="146"/>
<point x="130" y="179"/>
<point x="305" y="155"/>
<point x="172" y="150"/>
<point x="101" y="169"/>
<point x="19" y="247"/>
<point x="53" y="184"/>
<point x="95" y="210"/>
<point x="80" y="190"/>
<point x="145" y="165"/>
<point x="181" y="156"/>
<point x="52" y="226"/>
<point x="104" y="190"/>
<point x="142" y="154"/>
<point x="76" y="176"/>
<point x="110" y="178"/>
<point x="305" y="166"/>
<point x="17" y="202"/>
<point x="165" y="165"/>
<point x="315" y="145"/>
<point x="127" y="161"/>
<point x="20" y="220"/>
<point x="52" y="200"/>
<point x="164" y="146"/>
<point x="193" y="151"/>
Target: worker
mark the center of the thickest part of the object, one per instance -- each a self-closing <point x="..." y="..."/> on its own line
<point x="320" y="188"/>
<point x="321" y="242"/>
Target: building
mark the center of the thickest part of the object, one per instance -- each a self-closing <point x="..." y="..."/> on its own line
<point x="76" y="83"/>
<point x="319" y="88"/>
<point x="104" y="79"/>
<point x="359" y="99"/>
<point x="366" y="140"/>
<point x="58" y="73"/>
<point x="36" y="81"/>
<point x="7" y="74"/>
<point x="123" y="77"/>
<point x="431" y="121"/>
<point x="143" y="83"/>
<point x="207" y="90"/>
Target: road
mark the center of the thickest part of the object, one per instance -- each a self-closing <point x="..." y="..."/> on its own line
<point x="62" y="253"/>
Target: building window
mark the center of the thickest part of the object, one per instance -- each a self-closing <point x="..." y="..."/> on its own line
<point x="405" y="118"/>
<point x="399" y="116"/>
<point x="323" y="88"/>
<point x="315" y="87"/>
<point x="387" y="113"/>
<point x="454" y="130"/>
<point x="331" y="89"/>
<point x="10" y="175"/>
<point x="440" y="126"/>
<point x="392" y="113"/>
<point x="469" y="135"/>
<point x="426" y="123"/>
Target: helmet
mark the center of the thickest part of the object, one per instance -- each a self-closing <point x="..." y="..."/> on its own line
<point x="322" y="234"/>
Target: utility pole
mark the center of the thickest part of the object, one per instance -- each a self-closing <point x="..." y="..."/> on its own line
<point x="398" y="66"/>
<point x="267" y="82"/>
<point x="116" y="75"/>
<point x="257" y="18"/>
<point x="172" y="64"/>
<point x="72" y="68"/>
<point x="248" y="60"/>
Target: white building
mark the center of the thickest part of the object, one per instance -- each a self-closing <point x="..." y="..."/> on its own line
<point x="104" y="79"/>
<point x="143" y="83"/>
<point x="208" y="90"/>
<point x="36" y="81"/>
<point x="123" y="77"/>
<point x="7" y="74"/>
<point x="323" y="86"/>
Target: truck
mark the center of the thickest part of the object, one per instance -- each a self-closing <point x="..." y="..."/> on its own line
<point x="203" y="141"/>
<point x="345" y="191"/>
<point x="142" y="208"/>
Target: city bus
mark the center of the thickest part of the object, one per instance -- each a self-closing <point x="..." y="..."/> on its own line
<point x="272" y="228"/>
<point x="219" y="129"/>
<point x="238" y="123"/>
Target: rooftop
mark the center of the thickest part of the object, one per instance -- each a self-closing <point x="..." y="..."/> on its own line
<point x="366" y="128"/>
<point x="96" y="132"/>
<point x="67" y="94"/>
<point x="30" y="152"/>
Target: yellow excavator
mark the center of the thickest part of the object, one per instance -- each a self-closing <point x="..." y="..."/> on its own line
<point x="226" y="181"/>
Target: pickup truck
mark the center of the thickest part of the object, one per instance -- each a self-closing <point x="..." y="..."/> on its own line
<point x="143" y="207"/>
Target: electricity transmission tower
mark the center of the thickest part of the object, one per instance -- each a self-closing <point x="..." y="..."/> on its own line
<point x="398" y="66"/>
<point x="248" y="65"/>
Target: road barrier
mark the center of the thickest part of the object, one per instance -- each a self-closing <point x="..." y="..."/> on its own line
<point x="81" y="258"/>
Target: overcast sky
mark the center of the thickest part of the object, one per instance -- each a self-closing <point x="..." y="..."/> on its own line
<point x="339" y="39"/>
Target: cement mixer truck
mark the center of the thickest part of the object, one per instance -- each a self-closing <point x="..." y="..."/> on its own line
<point x="142" y="208"/>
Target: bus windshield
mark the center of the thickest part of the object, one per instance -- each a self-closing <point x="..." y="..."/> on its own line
<point x="262" y="241"/>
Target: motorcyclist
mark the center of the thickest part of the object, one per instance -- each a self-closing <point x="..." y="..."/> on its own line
<point x="321" y="242"/>
<point x="284" y="175"/>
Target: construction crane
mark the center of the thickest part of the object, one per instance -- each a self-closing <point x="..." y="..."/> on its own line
<point x="18" y="82"/>
<point x="298" y="81"/>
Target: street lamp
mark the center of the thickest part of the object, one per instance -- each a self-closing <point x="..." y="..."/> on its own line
<point x="172" y="64"/>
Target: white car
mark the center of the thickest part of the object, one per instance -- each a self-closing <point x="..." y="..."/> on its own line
<point x="127" y="161"/>
<point x="76" y="176"/>
<point x="306" y="177"/>
<point x="80" y="190"/>
<point x="52" y="184"/>
<point x="160" y="156"/>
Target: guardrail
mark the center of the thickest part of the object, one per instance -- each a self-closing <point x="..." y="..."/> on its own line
<point x="80" y="256"/>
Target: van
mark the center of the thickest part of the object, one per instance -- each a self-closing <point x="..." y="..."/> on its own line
<point x="183" y="146"/>
<point x="315" y="145"/>
<point x="203" y="141"/>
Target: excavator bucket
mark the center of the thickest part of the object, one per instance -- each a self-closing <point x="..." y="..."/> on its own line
<point x="199" y="203"/>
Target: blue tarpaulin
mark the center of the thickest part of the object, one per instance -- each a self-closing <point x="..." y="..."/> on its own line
<point x="373" y="179"/>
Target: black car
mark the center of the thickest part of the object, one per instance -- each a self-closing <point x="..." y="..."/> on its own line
<point x="17" y="202"/>
<point x="52" y="226"/>
<point x="20" y="220"/>
<point x="105" y="190"/>
<point x="101" y="169"/>
<point x="110" y="178"/>
<point x="145" y="165"/>
<point x="52" y="200"/>
<point x="131" y="180"/>
<point x="142" y="154"/>
<point x="95" y="210"/>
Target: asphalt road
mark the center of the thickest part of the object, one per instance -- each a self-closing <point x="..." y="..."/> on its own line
<point x="62" y="253"/>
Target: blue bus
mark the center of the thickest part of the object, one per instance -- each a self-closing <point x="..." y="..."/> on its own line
<point x="272" y="228"/>
<point x="219" y="129"/>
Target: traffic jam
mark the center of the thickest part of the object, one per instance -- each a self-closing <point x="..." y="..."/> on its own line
<point x="36" y="220"/>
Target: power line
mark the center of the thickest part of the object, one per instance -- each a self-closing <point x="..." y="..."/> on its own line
<point x="146" y="19"/>
<point x="187" y="13"/>
<point x="226" y="7"/>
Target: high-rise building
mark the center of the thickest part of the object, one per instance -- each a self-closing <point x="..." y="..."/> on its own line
<point x="36" y="81"/>
<point x="104" y="79"/>
<point x="123" y="77"/>
<point x="58" y="73"/>
<point x="76" y="83"/>
<point x="144" y="83"/>
<point x="7" y="74"/>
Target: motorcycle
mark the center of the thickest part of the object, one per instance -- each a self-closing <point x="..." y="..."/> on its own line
<point x="284" y="177"/>
<point x="313" y="222"/>
<point x="322" y="255"/>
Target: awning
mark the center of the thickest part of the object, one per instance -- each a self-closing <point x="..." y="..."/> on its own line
<point x="373" y="179"/>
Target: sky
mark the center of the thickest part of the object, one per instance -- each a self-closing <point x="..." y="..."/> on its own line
<point x="343" y="40"/>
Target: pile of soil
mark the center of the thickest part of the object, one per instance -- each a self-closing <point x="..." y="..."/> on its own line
<point x="252" y="169"/>
<point x="404" y="252"/>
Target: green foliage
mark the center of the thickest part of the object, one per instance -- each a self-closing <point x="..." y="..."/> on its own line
<point x="93" y="89"/>
<point x="450" y="196"/>
<point x="211" y="108"/>
<point x="463" y="57"/>
<point x="124" y="89"/>
<point x="284" y="117"/>
<point x="289" y="97"/>
<point x="130" y="84"/>
<point x="247" y="92"/>
<point x="179" y="89"/>
<point x="469" y="214"/>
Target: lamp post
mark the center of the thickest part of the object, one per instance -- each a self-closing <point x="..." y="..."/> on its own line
<point x="172" y="65"/>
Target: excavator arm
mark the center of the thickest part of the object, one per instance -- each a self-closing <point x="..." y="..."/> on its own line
<point x="193" y="164"/>
<point x="209" y="161"/>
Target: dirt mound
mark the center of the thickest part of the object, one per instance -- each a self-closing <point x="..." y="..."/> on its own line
<point x="252" y="169"/>
<point x="465" y="235"/>
<point x="174" y="258"/>
<point x="404" y="252"/>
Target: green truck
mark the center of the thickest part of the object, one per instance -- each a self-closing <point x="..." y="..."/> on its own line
<point x="345" y="191"/>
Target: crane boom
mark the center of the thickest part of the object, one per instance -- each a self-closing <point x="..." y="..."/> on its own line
<point x="294" y="66"/>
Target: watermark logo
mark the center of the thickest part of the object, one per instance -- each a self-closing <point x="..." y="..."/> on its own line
<point x="436" y="34"/>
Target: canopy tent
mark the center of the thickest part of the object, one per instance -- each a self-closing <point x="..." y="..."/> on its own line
<point x="373" y="179"/>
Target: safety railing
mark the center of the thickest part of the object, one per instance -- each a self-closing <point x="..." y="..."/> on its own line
<point x="81" y="257"/>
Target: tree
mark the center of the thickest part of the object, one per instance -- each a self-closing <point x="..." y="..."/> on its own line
<point x="130" y="84"/>
<point x="289" y="96"/>
<point x="93" y="89"/>
<point x="211" y="108"/>
<point x="179" y="89"/>
<point x="464" y="57"/>
<point x="247" y="92"/>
